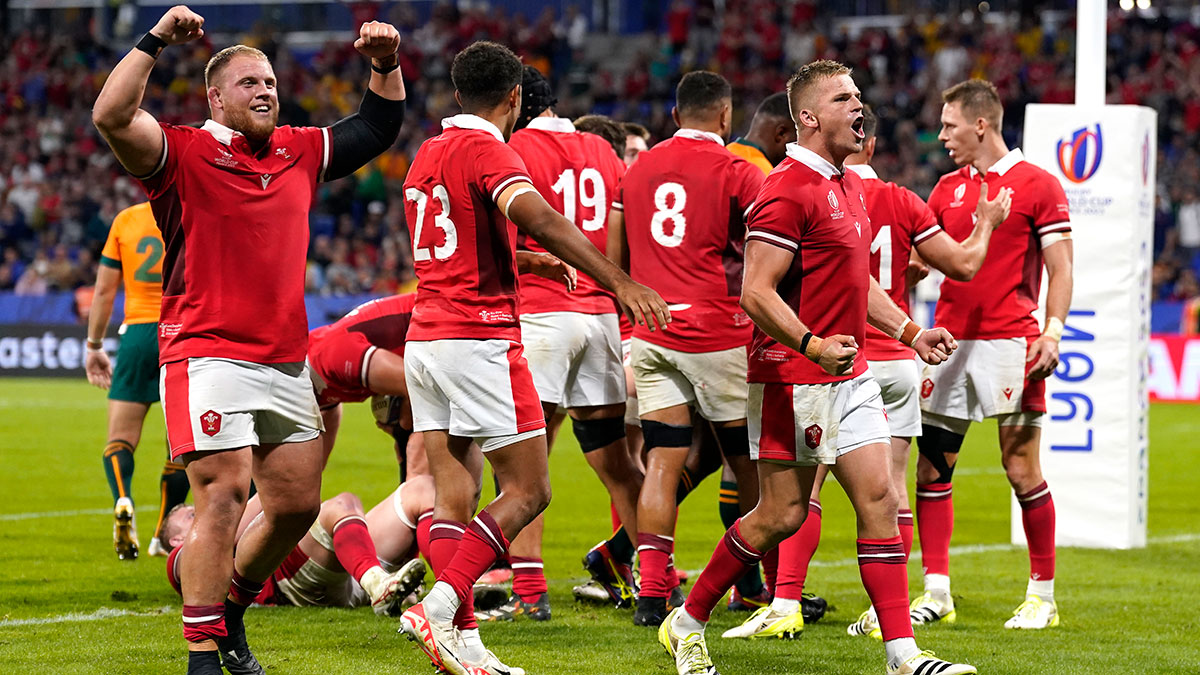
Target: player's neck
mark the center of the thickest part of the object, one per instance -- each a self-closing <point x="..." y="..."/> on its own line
<point x="991" y="151"/>
<point x="713" y="127"/>
<point x="814" y="144"/>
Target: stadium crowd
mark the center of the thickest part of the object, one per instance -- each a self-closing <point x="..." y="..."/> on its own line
<point x="59" y="189"/>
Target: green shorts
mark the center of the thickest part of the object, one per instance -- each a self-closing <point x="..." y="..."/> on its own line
<point x="135" y="376"/>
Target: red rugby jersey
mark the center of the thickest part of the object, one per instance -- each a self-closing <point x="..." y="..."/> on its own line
<point x="235" y="228"/>
<point x="810" y="208"/>
<point x="999" y="301"/>
<point x="899" y="221"/>
<point x="382" y="322"/>
<point x="685" y="201"/>
<point x="578" y="174"/>
<point x="464" y="249"/>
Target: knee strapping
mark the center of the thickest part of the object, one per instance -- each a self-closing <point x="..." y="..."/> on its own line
<point x="735" y="441"/>
<point x="595" y="434"/>
<point x="659" y="435"/>
<point x="935" y="443"/>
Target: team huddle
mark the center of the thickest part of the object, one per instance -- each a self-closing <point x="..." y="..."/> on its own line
<point x="697" y="307"/>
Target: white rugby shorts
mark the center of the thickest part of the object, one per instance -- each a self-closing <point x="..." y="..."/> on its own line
<point x="222" y="404"/>
<point x="899" y="384"/>
<point x="809" y="424"/>
<point x="983" y="378"/>
<point x="575" y="358"/>
<point x="479" y="389"/>
<point x="713" y="382"/>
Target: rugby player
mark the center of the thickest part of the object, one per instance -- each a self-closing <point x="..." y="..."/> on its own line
<point x="466" y="194"/>
<point x="1005" y="357"/>
<point x="812" y="400"/>
<point x="132" y="256"/>
<point x="347" y="558"/>
<point x="231" y="199"/>
<point x="771" y="130"/>
<point x="637" y="138"/>
<point x="679" y="222"/>
<point x="572" y="338"/>
<point x="900" y="223"/>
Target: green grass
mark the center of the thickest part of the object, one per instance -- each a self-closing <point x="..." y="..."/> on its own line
<point x="1123" y="612"/>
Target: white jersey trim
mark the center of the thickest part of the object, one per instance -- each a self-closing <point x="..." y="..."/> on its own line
<point x="465" y="121"/>
<point x="773" y="238"/>
<point x="1002" y="165"/>
<point x="561" y="125"/>
<point x="700" y="135"/>
<point x="865" y="171"/>
<point x="813" y="161"/>
<point x="325" y="143"/>
<point x="927" y="234"/>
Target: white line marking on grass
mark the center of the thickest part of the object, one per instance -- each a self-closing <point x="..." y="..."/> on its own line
<point x="98" y="615"/>
<point x="63" y="514"/>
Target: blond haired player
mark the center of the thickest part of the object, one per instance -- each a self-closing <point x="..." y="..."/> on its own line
<point x="133" y="255"/>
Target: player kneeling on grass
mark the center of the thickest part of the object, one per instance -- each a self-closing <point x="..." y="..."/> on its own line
<point x="812" y="399"/>
<point x="347" y="559"/>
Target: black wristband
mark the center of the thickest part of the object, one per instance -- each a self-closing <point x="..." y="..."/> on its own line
<point x="151" y="44"/>
<point x="386" y="69"/>
<point x="804" y="344"/>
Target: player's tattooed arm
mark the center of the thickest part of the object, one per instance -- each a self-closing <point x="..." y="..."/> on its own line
<point x="1042" y="357"/>
<point x="522" y="204"/>
<point x="132" y="133"/>
<point x="548" y="267"/>
<point x="961" y="262"/>
<point x="766" y="265"/>
<point x="933" y="345"/>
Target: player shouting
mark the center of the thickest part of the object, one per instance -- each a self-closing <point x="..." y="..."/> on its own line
<point x="466" y="194"/>
<point x="812" y="400"/>
<point x="1005" y="357"/>
<point x="232" y="201"/>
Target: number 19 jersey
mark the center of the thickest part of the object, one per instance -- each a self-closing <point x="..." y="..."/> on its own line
<point x="685" y="203"/>
<point x="464" y="248"/>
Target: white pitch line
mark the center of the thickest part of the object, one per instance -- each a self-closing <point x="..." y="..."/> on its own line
<point x="63" y="514"/>
<point x="98" y="615"/>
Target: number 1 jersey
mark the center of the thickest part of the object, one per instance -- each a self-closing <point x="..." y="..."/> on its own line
<point x="464" y="248"/>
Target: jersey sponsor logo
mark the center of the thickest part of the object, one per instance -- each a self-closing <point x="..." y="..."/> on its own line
<point x="265" y="178"/>
<point x="1079" y="157"/>
<point x="959" y="192"/>
<point x="495" y="315"/>
<point x="225" y="159"/>
<point x="812" y="436"/>
<point x="858" y="228"/>
<point x="1008" y="391"/>
<point x="167" y="330"/>
<point x="927" y="388"/>
<point x="774" y="355"/>
<point x="210" y="423"/>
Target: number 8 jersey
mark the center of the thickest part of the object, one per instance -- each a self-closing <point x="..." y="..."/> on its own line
<point x="464" y="249"/>
<point x="685" y="203"/>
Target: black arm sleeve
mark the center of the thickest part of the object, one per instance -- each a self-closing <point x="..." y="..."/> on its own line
<point x="363" y="136"/>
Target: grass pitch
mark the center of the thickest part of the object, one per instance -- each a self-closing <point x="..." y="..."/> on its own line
<point x="67" y="605"/>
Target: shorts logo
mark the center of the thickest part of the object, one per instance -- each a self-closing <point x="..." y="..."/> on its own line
<point x="210" y="423"/>
<point x="926" y="388"/>
<point x="1008" y="393"/>
<point x="812" y="436"/>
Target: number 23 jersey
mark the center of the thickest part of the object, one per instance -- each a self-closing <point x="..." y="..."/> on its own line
<point x="464" y="248"/>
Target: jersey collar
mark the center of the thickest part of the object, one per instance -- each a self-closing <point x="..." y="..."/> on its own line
<point x="1002" y="165"/>
<point x="864" y="171"/>
<point x="813" y="161"/>
<point x="465" y="121"/>
<point x="560" y="124"/>
<point x="219" y="131"/>
<point x="699" y="135"/>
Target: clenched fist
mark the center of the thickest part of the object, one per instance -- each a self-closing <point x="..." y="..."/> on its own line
<point x="377" y="40"/>
<point x="179" y="25"/>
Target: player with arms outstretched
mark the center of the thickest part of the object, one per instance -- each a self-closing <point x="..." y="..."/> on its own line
<point x="812" y="400"/>
<point x="679" y="222"/>
<point x="1005" y="357"/>
<point x="231" y="199"/>
<point x="132" y="255"/>
<point x="466" y="195"/>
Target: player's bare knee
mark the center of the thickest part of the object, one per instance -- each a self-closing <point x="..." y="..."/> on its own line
<point x="341" y="506"/>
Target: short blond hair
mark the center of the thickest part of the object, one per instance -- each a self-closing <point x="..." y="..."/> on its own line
<point x="222" y="58"/>
<point x="808" y="76"/>
<point x="977" y="98"/>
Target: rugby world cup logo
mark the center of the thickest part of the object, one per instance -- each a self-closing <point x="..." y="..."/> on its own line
<point x="1079" y="156"/>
